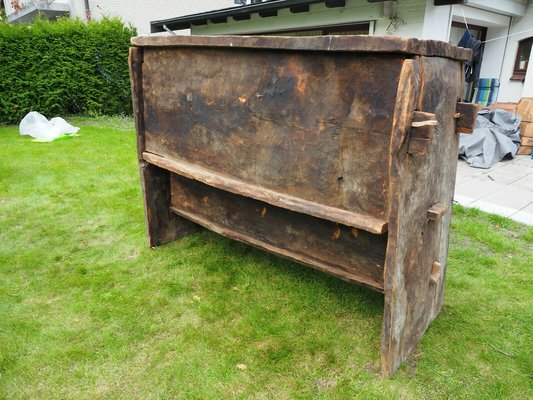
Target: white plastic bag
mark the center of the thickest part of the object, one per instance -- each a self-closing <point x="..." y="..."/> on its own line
<point x="36" y="125"/>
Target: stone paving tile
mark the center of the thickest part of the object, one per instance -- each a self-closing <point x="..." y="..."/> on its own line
<point x="525" y="215"/>
<point x="514" y="169"/>
<point x="505" y="189"/>
<point x="511" y="197"/>
<point x="461" y="179"/>
<point x="525" y="161"/>
<point x="525" y="183"/>
<point x="477" y="189"/>
<point x="464" y="170"/>
<point x="503" y="176"/>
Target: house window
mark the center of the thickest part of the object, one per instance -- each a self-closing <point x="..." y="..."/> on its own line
<point x="522" y="59"/>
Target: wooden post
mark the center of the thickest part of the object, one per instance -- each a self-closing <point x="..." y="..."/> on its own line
<point x="162" y="225"/>
<point x="422" y="188"/>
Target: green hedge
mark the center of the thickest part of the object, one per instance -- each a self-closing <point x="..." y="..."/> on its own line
<point x="64" y="67"/>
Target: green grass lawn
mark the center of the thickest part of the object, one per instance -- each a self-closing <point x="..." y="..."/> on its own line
<point x="87" y="311"/>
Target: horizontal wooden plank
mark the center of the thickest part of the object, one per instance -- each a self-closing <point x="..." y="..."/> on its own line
<point x="527" y="141"/>
<point x="421" y="119"/>
<point x="232" y="231"/>
<point x="347" y="252"/>
<point x="525" y="150"/>
<point x="509" y="107"/>
<point x="339" y="43"/>
<point x="229" y="233"/>
<point x="526" y="129"/>
<point x="356" y="220"/>
<point x="271" y="119"/>
<point x="353" y="278"/>
<point x="527" y="117"/>
<point x="524" y="108"/>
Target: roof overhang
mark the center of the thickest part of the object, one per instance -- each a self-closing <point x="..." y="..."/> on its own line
<point x="240" y="13"/>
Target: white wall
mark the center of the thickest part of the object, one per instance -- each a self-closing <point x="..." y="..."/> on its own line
<point x="499" y="55"/>
<point x="527" y="88"/>
<point x="77" y="9"/>
<point x="437" y="22"/>
<point x="318" y="15"/>
<point x="505" y="7"/>
<point x="493" y="55"/>
<point x="497" y="26"/>
<point x="411" y="12"/>
<point x="140" y="12"/>
<point x="512" y="91"/>
<point x="476" y="16"/>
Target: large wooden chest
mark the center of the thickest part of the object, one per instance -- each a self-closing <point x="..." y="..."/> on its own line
<point x="337" y="152"/>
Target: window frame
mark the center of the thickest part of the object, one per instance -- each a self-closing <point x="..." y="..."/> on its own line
<point x="519" y="74"/>
<point x="323" y="29"/>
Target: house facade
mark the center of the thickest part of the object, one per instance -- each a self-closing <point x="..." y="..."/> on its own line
<point x="506" y="27"/>
<point x="137" y="12"/>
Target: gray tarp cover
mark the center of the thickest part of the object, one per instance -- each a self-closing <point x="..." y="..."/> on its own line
<point x="496" y="134"/>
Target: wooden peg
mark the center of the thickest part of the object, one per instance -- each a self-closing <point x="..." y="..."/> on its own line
<point x="467" y="117"/>
<point x="435" y="272"/>
<point x="421" y="132"/>
<point x="436" y="211"/>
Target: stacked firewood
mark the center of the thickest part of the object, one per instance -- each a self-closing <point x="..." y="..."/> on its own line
<point x="525" y="110"/>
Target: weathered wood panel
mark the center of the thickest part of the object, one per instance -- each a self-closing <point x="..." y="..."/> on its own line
<point x="354" y="220"/>
<point x="331" y="43"/>
<point x="162" y="226"/>
<point x="289" y="143"/>
<point x="351" y="254"/>
<point x="135" y="64"/>
<point x="417" y="242"/>
<point x="314" y="127"/>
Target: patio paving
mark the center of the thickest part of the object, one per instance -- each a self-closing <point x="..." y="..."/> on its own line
<point x="505" y="189"/>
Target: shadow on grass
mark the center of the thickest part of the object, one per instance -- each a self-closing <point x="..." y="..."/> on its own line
<point x="369" y="302"/>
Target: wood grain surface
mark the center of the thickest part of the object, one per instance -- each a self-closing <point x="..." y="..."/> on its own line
<point x="336" y="152"/>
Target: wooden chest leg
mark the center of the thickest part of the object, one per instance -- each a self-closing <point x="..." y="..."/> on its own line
<point x="422" y="183"/>
<point x="162" y="225"/>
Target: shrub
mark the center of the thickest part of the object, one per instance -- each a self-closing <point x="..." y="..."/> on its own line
<point x="64" y="67"/>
